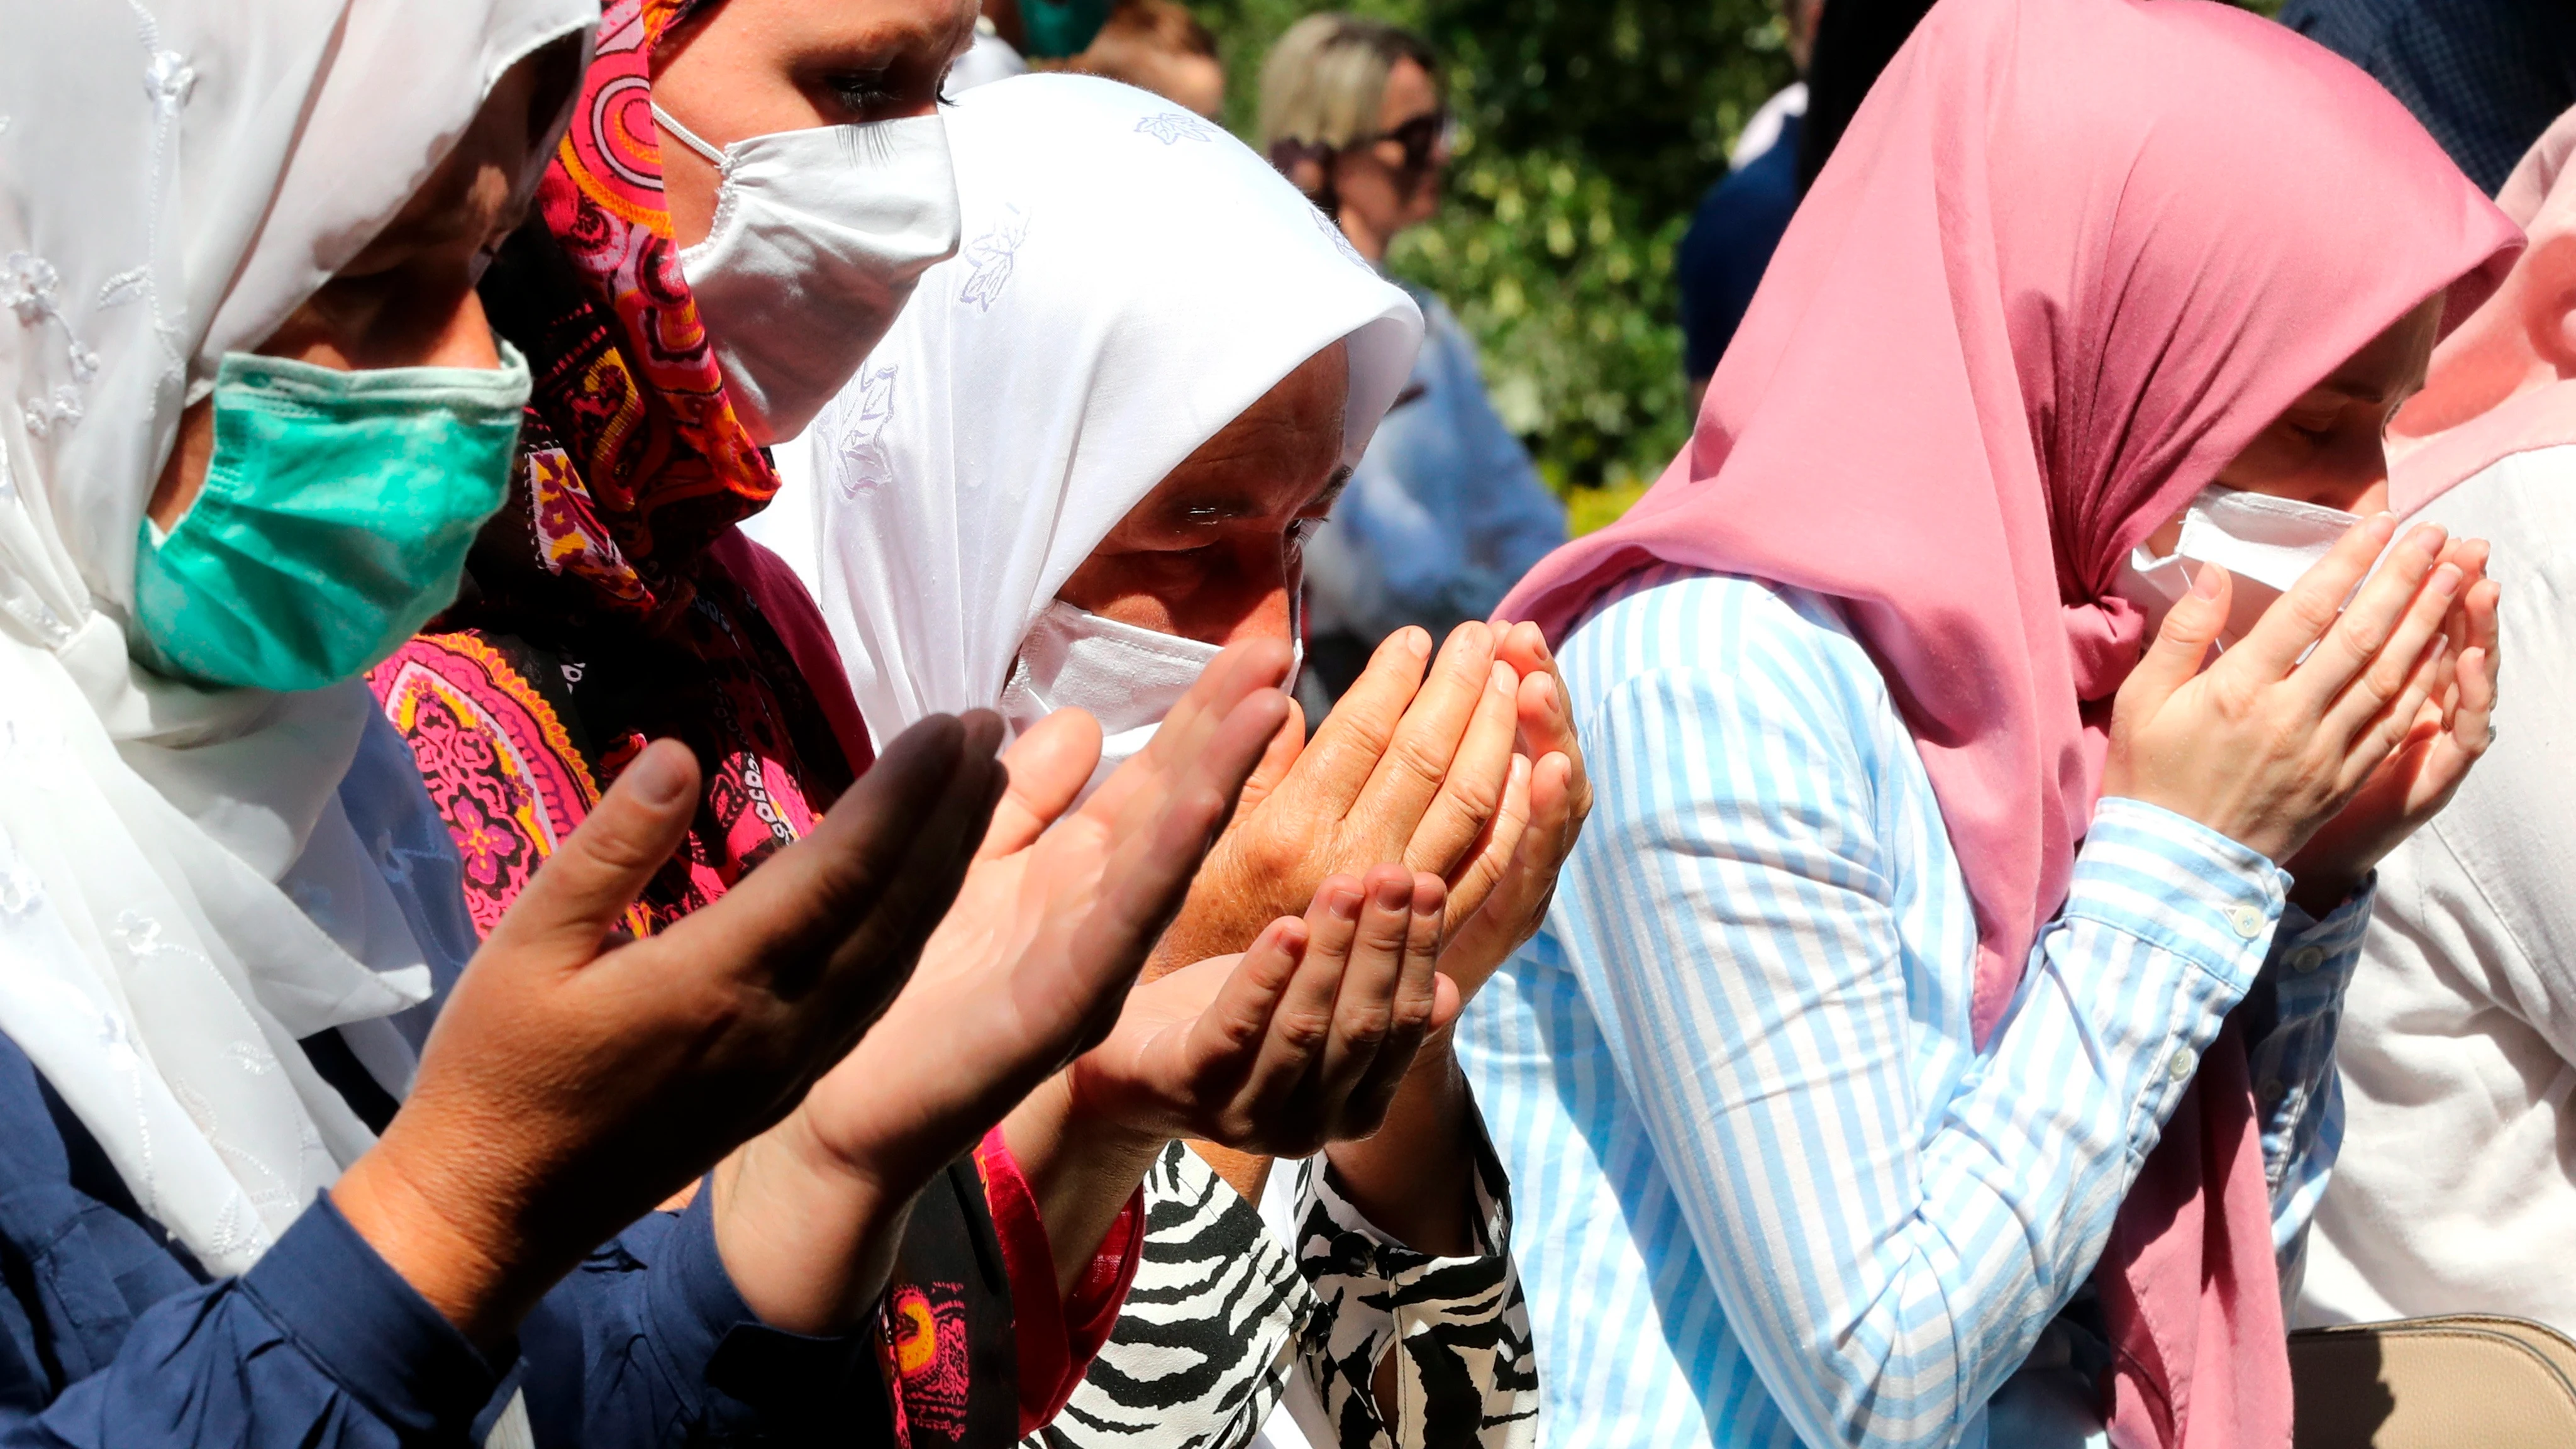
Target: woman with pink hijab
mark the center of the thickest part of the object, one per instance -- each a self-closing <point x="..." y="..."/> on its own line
<point x="2459" y="1039"/>
<point x="1931" y="1040"/>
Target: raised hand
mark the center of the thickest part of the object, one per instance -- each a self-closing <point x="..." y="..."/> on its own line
<point x="1298" y="1042"/>
<point x="573" y="1081"/>
<point x="1029" y="968"/>
<point x="1408" y="769"/>
<point x="2450" y="732"/>
<point x="1544" y="807"/>
<point x="2274" y="740"/>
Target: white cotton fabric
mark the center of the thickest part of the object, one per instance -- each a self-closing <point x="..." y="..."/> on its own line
<point x="1132" y="278"/>
<point x="179" y="176"/>
<point x="2455" y="1190"/>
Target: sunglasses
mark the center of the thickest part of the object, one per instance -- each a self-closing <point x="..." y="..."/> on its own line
<point x="1424" y="138"/>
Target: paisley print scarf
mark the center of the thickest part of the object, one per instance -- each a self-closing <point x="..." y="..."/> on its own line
<point x="611" y="602"/>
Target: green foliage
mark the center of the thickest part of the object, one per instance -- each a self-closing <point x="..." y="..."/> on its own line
<point x="1588" y="129"/>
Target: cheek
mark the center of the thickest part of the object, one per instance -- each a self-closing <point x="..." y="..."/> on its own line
<point x="2348" y="470"/>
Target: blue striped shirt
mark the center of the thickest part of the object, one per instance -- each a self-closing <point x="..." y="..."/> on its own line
<point x="1770" y="1191"/>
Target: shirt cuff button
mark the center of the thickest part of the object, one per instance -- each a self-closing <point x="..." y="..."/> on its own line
<point x="2307" y="959"/>
<point x="2182" y="1064"/>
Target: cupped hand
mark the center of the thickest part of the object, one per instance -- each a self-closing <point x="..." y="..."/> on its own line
<point x="2275" y="738"/>
<point x="1298" y="1042"/>
<point x="2451" y="730"/>
<point x="1408" y="768"/>
<point x="1544" y="806"/>
<point x="1029" y="968"/>
<point x="574" y="1079"/>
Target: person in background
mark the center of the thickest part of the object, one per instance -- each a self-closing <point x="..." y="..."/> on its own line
<point x="1855" y="39"/>
<point x="1446" y="510"/>
<point x="2484" y="76"/>
<point x="1011" y="33"/>
<point x="276" y="1173"/>
<point x="1100" y="575"/>
<point x="1740" y="220"/>
<point x="1892" y="1067"/>
<point x="612" y="600"/>
<point x="2458" y="1049"/>
<point x="1159" y="46"/>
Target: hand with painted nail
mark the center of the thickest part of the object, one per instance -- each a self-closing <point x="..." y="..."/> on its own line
<point x="575" y="1079"/>
<point x="2271" y="743"/>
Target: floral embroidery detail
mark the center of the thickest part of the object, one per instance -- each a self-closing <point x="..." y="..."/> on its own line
<point x="1341" y="241"/>
<point x="1172" y="127"/>
<point x="169" y="80"/>
<point x="29" y="286"/>
<point x="863" y="457"/>
<point x="990" y="258"/>
<point x="925" y="1349"/>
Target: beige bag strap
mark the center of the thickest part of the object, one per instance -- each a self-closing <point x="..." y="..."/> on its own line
<point x="2466" y="1381"/>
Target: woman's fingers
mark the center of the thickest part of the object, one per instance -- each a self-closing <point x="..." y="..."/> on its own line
<point x="2180" y="647"/>
<point x="1364" y="1009"/>
<point x="1506" y="835"/>
<point x="2302" y="615"/>
<point x="1048" y="767"/>
<point x="1237" y="674"/>
<point x="567" y="912"/>
<point x="2397" y="642"/>
<point x="1303" y="1022"/>
<point x="2372" y="644"/>
<point x="1418" y="759"/>
<point x="1459" y="827"/>
<point x="1412" y="1009"/>
<point x="1277" y="760"/>
<point x="1223" y="1044"/>
<point x="1335" y="765"/>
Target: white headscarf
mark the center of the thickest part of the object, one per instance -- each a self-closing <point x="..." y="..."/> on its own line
<point x="1132" y="279"/>
<point x="179" y="176"/>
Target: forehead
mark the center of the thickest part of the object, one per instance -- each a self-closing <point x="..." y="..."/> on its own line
<point x="1271" y="460"/>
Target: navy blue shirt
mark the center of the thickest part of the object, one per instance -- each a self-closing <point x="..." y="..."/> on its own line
<point x="110" y="1335"/>
<point x="2486" y="77"/>
<point x="1738" y="225"/>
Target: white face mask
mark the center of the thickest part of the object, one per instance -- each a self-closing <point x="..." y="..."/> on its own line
<point x="819" y="236"/>
<point x="1126" y="677"/>
<point x="2265" y="543"/>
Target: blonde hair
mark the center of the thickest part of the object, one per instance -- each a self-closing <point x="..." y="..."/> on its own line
<point x="1325" y="79"/>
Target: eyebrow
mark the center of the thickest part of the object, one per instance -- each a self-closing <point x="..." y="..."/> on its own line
<point x="1241" y="506"/>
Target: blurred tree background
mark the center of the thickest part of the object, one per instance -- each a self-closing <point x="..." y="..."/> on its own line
<point x="1587" y="131"/>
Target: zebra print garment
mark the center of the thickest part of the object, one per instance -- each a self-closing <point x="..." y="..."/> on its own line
<point x="1221" y="1317"/>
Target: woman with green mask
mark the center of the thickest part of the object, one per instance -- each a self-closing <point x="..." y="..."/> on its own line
<point x="257" y="415"/>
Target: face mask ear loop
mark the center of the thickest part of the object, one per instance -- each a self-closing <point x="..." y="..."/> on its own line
<point x="687" y="137"/>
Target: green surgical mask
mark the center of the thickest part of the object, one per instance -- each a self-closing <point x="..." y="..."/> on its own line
<point x="1055" y="29"/>
<point x="336" y="514"/>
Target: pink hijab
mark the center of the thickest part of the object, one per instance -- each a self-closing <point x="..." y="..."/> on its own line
<point x="2070" y="258"/>
<point x="2505" y="382"/>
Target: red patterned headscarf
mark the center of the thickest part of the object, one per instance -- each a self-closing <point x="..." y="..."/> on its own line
<point x="612" y="602"/>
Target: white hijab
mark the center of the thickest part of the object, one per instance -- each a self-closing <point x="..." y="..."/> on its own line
<point x="1132" y="279"/>
<point x="179" y="175"/>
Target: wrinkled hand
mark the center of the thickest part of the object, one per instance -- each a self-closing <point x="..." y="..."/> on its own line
<point x="1408" y="769"/>
<point x="2451" y="731"/>
<point x="2265" y="746"/>
<point x="1028" y="969"/>
<point x="574" y="1081"/>
<point x="1033" y="964"/>
<point x="1298" y="1042"/>
<point x="1544" y="806"/>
